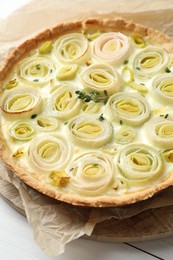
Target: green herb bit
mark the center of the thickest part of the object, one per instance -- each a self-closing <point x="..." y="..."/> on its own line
<point x="36" y="80"/>
<point x="121" y="122"/>
<point x="105" y="92"/>
<point x="162" y="115"/>
<point x="101" y="118"/>
<point x="65" y="123"/>
<point x="138" y="68"/>
<point x="71" y="169"/>
<point x="142" y="84"/>
<point x="87" y="98"/>
<point x="33" y="116"/>
<point x="166" y="116"/>
<point x="81" y="95"/>
<point x="94" y="93"/>
<point x="126" y="62"/>
<point x="38" y="67"/>
<point x="95" y="96"/>
<point x="105" y="101"/>
<point x="95" y="164"/>
<point x="167" y="70"/>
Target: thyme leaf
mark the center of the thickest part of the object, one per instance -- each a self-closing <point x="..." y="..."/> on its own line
<point x="167" y="70"/>
<point x="101" y="118"/>
<point x="33" y="116"/>
<point x="126" y="62"/>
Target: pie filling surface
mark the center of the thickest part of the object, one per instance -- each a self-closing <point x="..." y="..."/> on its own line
<point x="86" y="117"/>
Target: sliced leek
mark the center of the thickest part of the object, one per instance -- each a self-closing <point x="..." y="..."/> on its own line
<point x="19" y="153"/>
<point x="64" y="102"/>
<point x="58" y="178"/>
<point x="36" y="70"/>
<point x="162" y="89"/>
<point x="47" y="123"/>
<point x="128" y="108"/>
<point x="22" y="131"/>
<point x="92" y="36"/>
<point x="139" y="87"/>
<point x="11" y="84"/>
<point x="91" y="107"/>
<point x="67" y="72"/>
<point x="99" y="77"/>
<point x="160" y="111"/>
<point x="111" y="149"/>
<point x="138" y="40"/>
<point x="140" y="164"/>
<point x="91" y="173"/>
<point x="49" y="152"/>
<point x="167" y="156"/>
<point x="46" y="47"/>
<point x="125" y="135"/>
<point x="71" y="48"/>
<point x="127" y="74"/>
<point x="112" y="48"/>
<point x="159" y="131"/>
<point x="151" y="60"/>
<point x="89" y="131"/>
<point x="21" y="102"/>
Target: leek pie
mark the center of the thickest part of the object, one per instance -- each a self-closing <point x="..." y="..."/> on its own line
<point x="86" y="112"/>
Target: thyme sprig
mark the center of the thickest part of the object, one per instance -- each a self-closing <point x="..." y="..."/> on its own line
<point x="92" y="96"/>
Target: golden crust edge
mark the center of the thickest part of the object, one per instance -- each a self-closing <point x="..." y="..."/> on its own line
<point x="117" y="24"/>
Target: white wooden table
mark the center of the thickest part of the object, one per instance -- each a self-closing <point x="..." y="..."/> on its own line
<point x="16" y="239"/>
